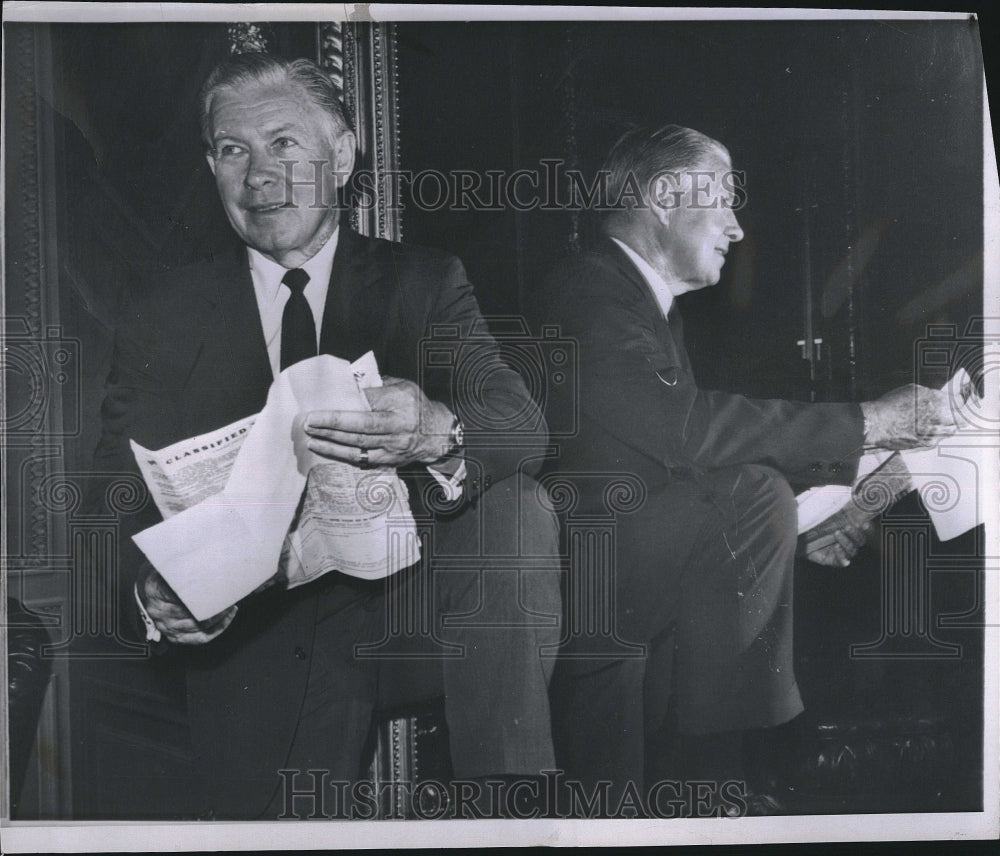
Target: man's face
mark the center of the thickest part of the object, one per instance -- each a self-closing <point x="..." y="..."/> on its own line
<point x="286" y="212"/>
<point x="698" y="223"/>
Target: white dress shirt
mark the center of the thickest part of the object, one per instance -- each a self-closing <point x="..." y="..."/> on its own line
<point x="659" y="286"/>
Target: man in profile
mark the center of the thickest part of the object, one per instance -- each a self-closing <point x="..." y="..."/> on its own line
<point x="703" y="573"/>
<point x="280" y="683"/>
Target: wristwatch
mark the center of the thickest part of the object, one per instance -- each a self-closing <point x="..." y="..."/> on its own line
<point x="456" y="437"/>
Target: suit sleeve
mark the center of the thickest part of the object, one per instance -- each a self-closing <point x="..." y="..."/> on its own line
<point x="504" y="427"/>
<point x="131" y="396"/>
<point x="637" y="384"/>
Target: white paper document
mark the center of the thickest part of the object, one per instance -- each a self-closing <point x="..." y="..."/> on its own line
<point x="948" y="476"/>
<point x="952" y="476"/>
<point x="221" y="540"/>
<point x="187" y="472"/>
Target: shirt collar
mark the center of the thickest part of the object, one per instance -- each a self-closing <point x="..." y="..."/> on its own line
<point x="661" y="289"/>
<point x="267" y="273"/>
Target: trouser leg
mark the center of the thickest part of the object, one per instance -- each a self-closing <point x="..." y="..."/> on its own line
<point x="597" y="726"/>
<point x="705" y="568"/>
<point x="336" y="712"/>
<point x="497" y="600"/>
<point x="734" y="666"/>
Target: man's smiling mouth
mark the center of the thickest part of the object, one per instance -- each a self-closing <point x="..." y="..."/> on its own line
<point x="269" y="209"/>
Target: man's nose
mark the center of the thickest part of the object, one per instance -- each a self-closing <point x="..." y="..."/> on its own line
<point x="262" y="170"/>
<point x="733" y="230"/>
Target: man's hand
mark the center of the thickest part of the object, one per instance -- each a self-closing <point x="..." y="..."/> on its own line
<point x="908" y="417"/>
<point x="835" y="541"/>
<point x="173" y="619"/>
<point x="403" y="427"/>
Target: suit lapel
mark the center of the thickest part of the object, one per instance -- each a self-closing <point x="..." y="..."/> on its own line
<point x="670" y="330"/>
<point x="242" y="332"/>
<point x="355" y="316"/>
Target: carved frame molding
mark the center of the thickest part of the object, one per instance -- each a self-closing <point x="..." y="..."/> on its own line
<point x="361" y="58"/>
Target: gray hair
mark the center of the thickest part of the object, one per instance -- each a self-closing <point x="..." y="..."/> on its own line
<point x="646" y="151"/>
<point x="266" y="69"/>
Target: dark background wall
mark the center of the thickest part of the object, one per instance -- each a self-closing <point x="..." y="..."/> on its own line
<point x="871" y="127"/>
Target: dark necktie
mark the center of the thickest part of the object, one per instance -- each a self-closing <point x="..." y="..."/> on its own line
<point x="298" y="328"/>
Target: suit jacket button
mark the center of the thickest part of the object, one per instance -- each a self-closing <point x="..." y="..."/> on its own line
<point x="475" y="484"/>
<point x="487" y="481"/>
<point x="300" y="653"/>
<point x="815" y="468"/>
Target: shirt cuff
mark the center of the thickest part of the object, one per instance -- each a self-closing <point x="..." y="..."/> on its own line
<point x="451" y="484"/>
<point x="152" y="631"/>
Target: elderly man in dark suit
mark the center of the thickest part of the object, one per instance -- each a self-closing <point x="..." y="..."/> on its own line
<point x="282" y="682"/>
<point x="703" y="573"/>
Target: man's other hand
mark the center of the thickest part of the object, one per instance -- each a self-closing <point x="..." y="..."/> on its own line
<point x="908" y="417"/>
<point x="835" y="541"/>
<point x="403" y="427"/>
<point x="173" y="619"/>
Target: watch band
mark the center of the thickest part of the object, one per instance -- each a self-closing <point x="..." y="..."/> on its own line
<point x="456" y="437"/>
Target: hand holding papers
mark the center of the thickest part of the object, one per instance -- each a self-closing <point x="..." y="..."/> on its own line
<point x="403" y="427"/>
<point x="174" y="621"/>
<point x="910" y="417"/>
<point x="834" y="519"/>
<point x="219" y="550"/>
<point x="951" y="476"/>
<point x="834" y="528"/>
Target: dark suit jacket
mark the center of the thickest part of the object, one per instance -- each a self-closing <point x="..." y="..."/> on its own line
<point x="640" y="408"/>
<point x="190" y="357"/>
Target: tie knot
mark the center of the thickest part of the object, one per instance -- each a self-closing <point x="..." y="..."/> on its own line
<point x="296" y="280"/>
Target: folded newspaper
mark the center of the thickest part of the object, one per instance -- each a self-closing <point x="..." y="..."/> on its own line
<point x="229" y="498"/>
<point x="949" y="476"/>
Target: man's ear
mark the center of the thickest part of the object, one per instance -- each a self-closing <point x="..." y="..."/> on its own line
<point x="659" y="211"/>
<point x="344" y="148"/>
<point x="665" y="196"/>
<point x="211" y="161"/>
